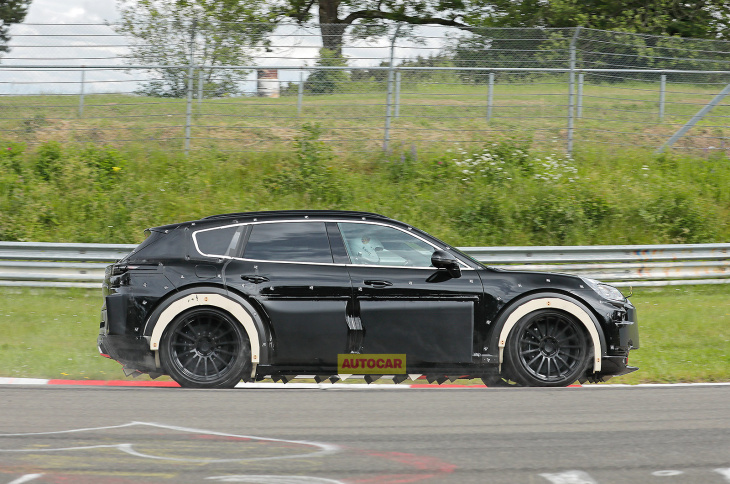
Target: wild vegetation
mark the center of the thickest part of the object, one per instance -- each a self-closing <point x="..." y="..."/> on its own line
<point x="499" y="193"/>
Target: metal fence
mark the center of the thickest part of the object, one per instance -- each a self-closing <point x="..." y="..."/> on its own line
<point x="34" y="264"/>
<point x="414" y="88"/>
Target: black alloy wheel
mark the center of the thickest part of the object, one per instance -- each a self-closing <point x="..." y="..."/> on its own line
<point x="206" y="348"/>
<point x="547" y="348"/>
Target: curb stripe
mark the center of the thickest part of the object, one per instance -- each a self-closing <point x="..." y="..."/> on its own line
<point x="114" y="383"/>
<point x="318" y="386"/>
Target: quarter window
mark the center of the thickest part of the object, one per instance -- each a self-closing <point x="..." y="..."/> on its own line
<point x="289" y="242"/>
<point x="221" y="242"/>
<point x="370" y="244"/>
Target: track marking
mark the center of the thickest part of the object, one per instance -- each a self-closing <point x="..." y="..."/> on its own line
<point x="323" y="449"/>
<point x="724" y="473"/>
<point x="25" y="478"/>
<point x="324" y="386"/>
<point x="257" y="479"/>
<point x="667" y="473"/>
<point x="570" y="477"/>
<point x="421" y="467"/>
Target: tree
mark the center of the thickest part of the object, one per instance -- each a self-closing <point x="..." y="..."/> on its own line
<point x="700" y="19"/>
<point x="178" y="32"/>
<point x="611" y="41"/>
<point x="335" y="16"/>
<point x="323" y="81"/>
<point x="11" y="12"/>
<point x="705" y="19"/>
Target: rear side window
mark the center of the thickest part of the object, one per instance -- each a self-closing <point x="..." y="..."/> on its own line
<point x="221" y="242"/>
<point x="289" y="242"/>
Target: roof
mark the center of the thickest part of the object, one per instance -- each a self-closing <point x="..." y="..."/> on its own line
<point x="289" y="213"/>
<point x="237" y="216"/>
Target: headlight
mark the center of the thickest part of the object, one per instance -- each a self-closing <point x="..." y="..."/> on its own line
<point x="606" y="291"/>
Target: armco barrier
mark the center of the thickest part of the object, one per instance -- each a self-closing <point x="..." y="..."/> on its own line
<point x="39" y="264"/>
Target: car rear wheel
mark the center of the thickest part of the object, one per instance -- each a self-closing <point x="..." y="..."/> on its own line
<point x="547" y="348"/>
<point x="205" y="348"/>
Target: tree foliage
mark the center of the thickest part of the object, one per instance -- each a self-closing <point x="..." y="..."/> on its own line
<point x="700" y="19"/>
<point x="11" y="12"/>
<point x="706" y="19"/>
<point x="335" y="16"/>
<point x="176" y="32"/>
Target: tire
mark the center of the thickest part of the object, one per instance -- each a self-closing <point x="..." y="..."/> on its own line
<point x="547" y="348"/>
<point x="206" y="348"/>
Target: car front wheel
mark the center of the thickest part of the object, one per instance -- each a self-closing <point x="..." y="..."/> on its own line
<point x="547" y="348"/>
<point x="205" y="348"/>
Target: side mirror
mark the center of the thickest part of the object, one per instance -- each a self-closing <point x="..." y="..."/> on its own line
<point x="443" y="260"/>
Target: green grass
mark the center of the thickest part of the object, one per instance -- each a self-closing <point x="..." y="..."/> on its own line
<point x="685" y="335"/>
<point x="432" y="116"/>
<point x="52" y="334"/>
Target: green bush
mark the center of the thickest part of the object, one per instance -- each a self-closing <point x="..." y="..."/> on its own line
<point x="312" y="173"/>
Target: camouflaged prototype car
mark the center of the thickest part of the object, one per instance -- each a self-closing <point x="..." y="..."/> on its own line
<point x="247" y="296"/>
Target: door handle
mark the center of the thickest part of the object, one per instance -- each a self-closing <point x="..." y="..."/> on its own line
<point x="378" y="283"/>
<point x="255" y="279"/>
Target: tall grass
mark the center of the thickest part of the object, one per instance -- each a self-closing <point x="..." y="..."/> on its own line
<point x="499" y="193"/>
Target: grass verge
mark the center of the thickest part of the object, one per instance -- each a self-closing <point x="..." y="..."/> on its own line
<point x="51" y="333"/>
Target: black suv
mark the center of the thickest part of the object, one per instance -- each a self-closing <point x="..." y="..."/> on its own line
<point x="248" y="296"/>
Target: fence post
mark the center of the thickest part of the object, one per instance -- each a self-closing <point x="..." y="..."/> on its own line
<point x="200" y="88"/>
<point x="579" y="113"/>
<point x="300" y="93"/>
<point x="189" y="110"/>
<point x="490" y="96"/>
<point x="389" y="96"/>
<point x="662" y="96"/>
<point x="397" y="93"/>
<point x="695" y="119"/>
<point x="81" y="95"/>
<point x="571" y="91"/>
<point x="189" y="101"/>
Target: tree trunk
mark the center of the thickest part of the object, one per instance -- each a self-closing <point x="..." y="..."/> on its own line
<point x="331" y="26"/>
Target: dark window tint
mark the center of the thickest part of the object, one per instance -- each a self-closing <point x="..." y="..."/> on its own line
<point x="221" y="242"/>
<point x="289" y="242"/>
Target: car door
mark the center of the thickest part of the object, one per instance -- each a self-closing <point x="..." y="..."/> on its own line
<point x="405" y="305"/>
<point x="287" y="267"/>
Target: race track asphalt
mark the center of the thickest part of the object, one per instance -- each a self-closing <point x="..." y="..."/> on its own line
<point x="68" y="434"/>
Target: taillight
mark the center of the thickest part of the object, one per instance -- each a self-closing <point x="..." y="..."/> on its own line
<point x="119" y="269"/>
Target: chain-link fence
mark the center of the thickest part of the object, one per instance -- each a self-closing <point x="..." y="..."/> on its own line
<point x="394" y="87"/>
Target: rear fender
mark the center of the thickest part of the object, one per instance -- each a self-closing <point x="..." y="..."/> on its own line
<point x="232" y="304"/>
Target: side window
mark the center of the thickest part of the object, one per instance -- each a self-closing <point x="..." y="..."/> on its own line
<point x="370" y="244"/>
<point x="219" y="242"/>
<point x="289" y="242"/>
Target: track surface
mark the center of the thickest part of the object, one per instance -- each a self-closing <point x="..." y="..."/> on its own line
<point x="566" y="436"/>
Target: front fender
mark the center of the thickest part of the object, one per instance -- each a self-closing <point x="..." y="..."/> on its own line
<point x="522" y="307"/>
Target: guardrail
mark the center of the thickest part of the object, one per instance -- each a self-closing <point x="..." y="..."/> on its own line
<point x="36" y="264"/>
